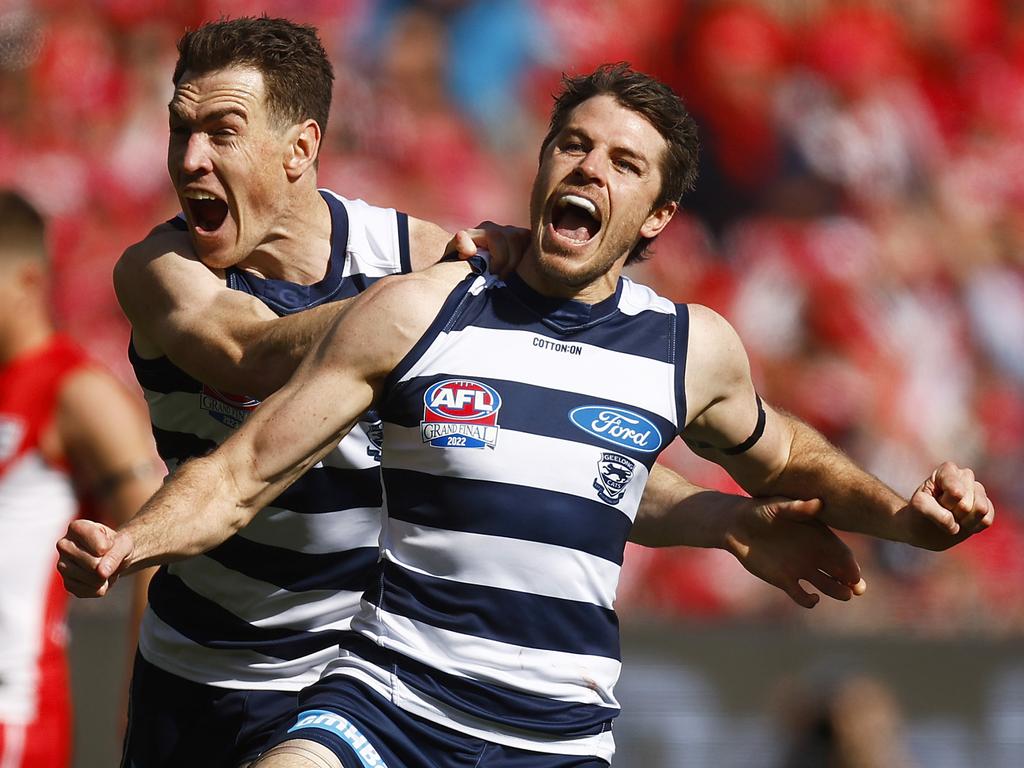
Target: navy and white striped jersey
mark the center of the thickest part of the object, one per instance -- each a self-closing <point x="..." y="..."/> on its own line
<point x="518" y="437"/>
<point x="265" y="609"/>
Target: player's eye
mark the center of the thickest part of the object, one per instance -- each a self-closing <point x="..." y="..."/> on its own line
<point x="627" y="167"/>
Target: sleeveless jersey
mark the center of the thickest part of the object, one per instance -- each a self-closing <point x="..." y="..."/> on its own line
<point x="37" y="501"/>
<point x="265" y="609"/>
<point x="518" y="434"/>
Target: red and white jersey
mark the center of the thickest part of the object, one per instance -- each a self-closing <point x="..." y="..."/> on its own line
<point x="37" y="501"/>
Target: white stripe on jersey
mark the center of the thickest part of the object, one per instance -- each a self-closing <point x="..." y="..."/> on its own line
<point x="636" y="298"/>
<point x="491" y="661"/>
<point x="574" y="472"/>
<point x="498" y="561"/>
<point x="162" y="645"/>
<point x="266" y="605"/>
<point x="182" y="412"/>
<point x="499" y="354"/>
<point x="373" y="245"/>
<point x="320" y="533"/>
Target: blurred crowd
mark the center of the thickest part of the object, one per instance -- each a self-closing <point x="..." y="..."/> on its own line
<point x="859" y="215"/>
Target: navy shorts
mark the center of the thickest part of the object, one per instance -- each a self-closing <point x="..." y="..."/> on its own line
<point x="366" y="731"/>
<point x="175" y="722"/>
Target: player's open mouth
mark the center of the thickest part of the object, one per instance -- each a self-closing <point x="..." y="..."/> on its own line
<point x="576" y="219"/>
<point x="206" y="211"/>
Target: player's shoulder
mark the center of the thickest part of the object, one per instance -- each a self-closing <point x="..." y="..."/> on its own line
<point x="163" y="238"/>
<point x="714" y="345"/>
<point x="396" y="311"/>
<point x="707" y="321"/>
<point x="164" y="255"/>
<point x="423" y="286"/>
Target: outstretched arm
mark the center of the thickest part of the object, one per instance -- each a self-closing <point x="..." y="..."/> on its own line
<point x="777" y="540"/>
<point x="791" y="459"/>
<point x="210" y="498"/>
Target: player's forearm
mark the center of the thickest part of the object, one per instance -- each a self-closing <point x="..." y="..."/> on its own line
<point x="199" y="508"/>
<point x="674" y="512"/>
<point x="853" y="500"/>
<point x="268" y="352"/>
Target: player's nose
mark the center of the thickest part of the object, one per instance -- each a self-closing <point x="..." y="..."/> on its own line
<point x="593" y="166"/>
<point x="196" y="157"/>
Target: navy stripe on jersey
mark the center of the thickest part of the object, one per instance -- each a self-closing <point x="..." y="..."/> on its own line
<point x="507" y="616"/>
<point x="329" y="489"/>
<point x="179" y="446"/>
<point x="681" y="353"/>
<point x="404" y="253"/>
<point x="206" y="623"/>
<point x="542" y="516"/>
<point x="159" y="374"/>
<point x="528" y="408"/>
<point x="297" y="571"/>
<point x="652" y="334"/>
<point x="563" y="315"/>
<point x="515" y="709"/>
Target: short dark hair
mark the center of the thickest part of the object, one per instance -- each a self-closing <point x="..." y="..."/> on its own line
<point x="656" y="102"/>
<point x="22" y="228"/>
<point x="296" y="71"/>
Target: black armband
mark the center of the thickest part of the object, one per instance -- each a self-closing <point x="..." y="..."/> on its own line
<point x="747" y="444"/>
<point x="743" y="447"/>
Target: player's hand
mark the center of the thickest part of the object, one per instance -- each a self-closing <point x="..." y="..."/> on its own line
<point x="505" y="244"/>
<point x="91" y="556"/>
<point x="948" y="507"/>
<point x="782" y="542"/>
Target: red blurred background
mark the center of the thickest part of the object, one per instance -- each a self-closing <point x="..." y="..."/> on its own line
<point x="859" y="217"/>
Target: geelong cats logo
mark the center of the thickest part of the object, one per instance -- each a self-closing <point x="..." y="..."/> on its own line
<point x="613" y="475"/>
<point x="460" y="413"/>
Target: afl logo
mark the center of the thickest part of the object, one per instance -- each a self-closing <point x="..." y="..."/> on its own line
<point x="460" y="413"/>
<point x="617" y="426"/>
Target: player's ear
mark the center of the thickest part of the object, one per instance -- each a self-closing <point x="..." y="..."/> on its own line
<point x="658" y="219"/>
<point x="303" y="148"/>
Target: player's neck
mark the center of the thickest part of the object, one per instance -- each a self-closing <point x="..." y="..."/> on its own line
<point x="547" y="282"/>
<point x="23" y="336"/>
<point x="298" y="246"/>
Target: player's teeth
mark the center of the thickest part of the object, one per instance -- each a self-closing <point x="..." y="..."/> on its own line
<point x="580" y="202"/>
<point x="199" y="196"/>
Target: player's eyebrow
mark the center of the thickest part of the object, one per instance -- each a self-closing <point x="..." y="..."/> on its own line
<point x="176" y="112"/>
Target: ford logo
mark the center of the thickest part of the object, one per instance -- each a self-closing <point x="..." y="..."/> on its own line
<point x="617" y="426"/>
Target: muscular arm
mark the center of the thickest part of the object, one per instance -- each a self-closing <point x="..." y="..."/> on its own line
<point x="210" y="498"/>
<point x="225" y="338"/>
<point x="792" y="459"/>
